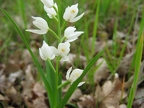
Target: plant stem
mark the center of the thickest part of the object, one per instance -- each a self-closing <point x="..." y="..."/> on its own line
<point x="56" y="36"/>
<point x="59" y="28"/>
<point x="51" y="65"/>
<point x="64" y="24"/>
<point x="64" y="84"/>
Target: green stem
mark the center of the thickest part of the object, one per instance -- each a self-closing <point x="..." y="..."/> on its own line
<point x="57" y="63"/>
<point x="55" y="9"/>
<point x="51" y="65"/>
<point x="56" y="36"/>
<point x="95" y="27"/>
<point x="64" y="24"/>
<point x="59" y="28"/>
<point x="44" y="36"/>
<point x="62" y="39"/>
<point x="55" y="19"/>
<point x="56" y="92"/>
<point x="64" y="84"/>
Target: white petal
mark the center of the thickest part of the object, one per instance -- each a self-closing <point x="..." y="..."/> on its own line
<point x="71" y="35"/>
<point x="48" y="3"/>
<point x="40" y="32"/>
<point x="55" y="51"/>
<point x="40" y="23"/>
<point x="68" y="73"/>
<point x="50" y="12"/>
<point x="76" y="18"/>
<point x="46" y="52"/>
<point x="68" y="31"/>
<point x="52" y="56"/>
<point x="71" y="39"/>
<point x="65" y="58"/>
<point x="66" y="13"/>
<point x="75" y="35"/>
<point x="63" y="48"/>
<point x="41" y="55"/>
<point x="74" y="10"/>
<point x="80" y="84"/>
<point x="55" y="5"/>
<point x="75" y="74"/>
<point x="70" y="12"/>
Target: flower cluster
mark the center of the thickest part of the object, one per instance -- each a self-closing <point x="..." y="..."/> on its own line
<point x="70" y="34"/>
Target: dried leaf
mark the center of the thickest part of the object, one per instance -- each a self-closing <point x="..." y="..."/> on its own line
<point x="123" y="69"/>
<point x="98" y="94"/>
<point x="86" y="101"/>
<point x="102" y="72"/>
<point x="122" y="106"/>
<point x="2" y="68"/>
<point x="38" y="89"/>
<point x="139" y="98"/>
<point x="3" y="98"/>
<point x="39" y="103"/>
<point x="28" y="83"/>
<point x="75" y="96"/>
<point x="14" y="95"/>
<point x="111" y="93"/>
<point x="27" y="57"/>
<point x="12" y="77"/>
<point x="2" y="83"/>
<point x="11" y="66"/>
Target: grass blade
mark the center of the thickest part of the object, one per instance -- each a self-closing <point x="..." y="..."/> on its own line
<point x="137" y="61"/>
<point x="95" y="26"/>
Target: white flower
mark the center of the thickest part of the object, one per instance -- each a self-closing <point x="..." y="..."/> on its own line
<point x="41" y="24"/>
<point x="71" y="12"/>
<point x="63" y="50"/>
<point x="48" y="3"/>
<point x="70" y="34"/>
<point x="46" y="52"/>
<point x="51" y="11"/>
<point x="75" y="74"/>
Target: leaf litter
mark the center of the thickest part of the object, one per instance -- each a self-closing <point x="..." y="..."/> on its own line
<point x="20" y="85"/>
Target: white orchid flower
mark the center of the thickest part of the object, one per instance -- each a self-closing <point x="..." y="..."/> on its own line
<point x="71" y="35"/>
<point x="46" y="52"/>
<point x="41" y="24"/>
<point x="63" y="50"/>
<point x="75" y="74"/>
<point x="51" y="11"/>
<point x="71" y="12"/>
<point x="48" y="3"/>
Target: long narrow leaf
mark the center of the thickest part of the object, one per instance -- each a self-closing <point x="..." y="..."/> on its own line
<point x="51" y="78"/>
<point x="40" y="70"/>
<point x="137" y="60"/>
<point x="75" y="84"/>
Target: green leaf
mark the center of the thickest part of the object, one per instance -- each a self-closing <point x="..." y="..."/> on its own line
<point x="137" y="62"/>
<point x="51" y="78"/>
<point x="75" y="84"/>
<point x="40" y="70"/>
